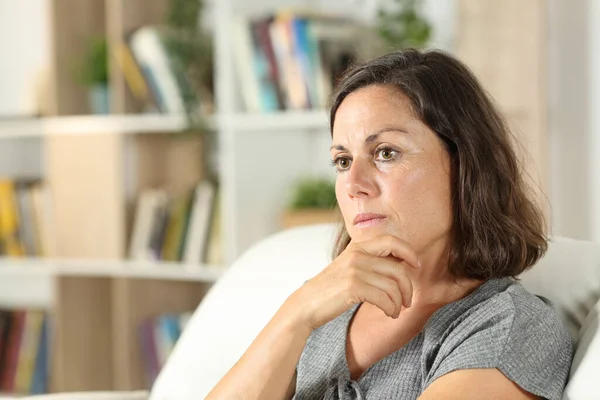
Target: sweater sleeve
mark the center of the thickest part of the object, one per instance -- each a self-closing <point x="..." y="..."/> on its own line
<point x="524" y="339"/>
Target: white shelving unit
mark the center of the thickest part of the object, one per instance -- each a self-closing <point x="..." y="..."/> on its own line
<point x="28" y="282"/>
<point x="278" y="121"/>
<point x="110" y="269"/>
<point x="92" y="125"/>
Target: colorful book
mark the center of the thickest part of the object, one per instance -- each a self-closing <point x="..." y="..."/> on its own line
<point x="44" y="221"/>
<point x="28" y="350"/>
<point x="149" y="51"/>
<point x="150" y="358"/>
<point x="261" y="29"/>
<point x="39" y="383"/>
<point x="175" y="233"/>
<point x="267" y="88"/>
<point x="11" y="360"/>
<point x="9" y="220"/>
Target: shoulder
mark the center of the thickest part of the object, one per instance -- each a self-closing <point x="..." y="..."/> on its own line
<point x="504" y="326"/>
<point x="538" y="339"/>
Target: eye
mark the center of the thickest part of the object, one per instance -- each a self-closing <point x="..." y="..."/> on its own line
<point x="386" y="154"/>
<point x="341" y="163"/>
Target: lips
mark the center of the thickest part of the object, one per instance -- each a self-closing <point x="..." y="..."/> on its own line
<point x="367" y="217"/>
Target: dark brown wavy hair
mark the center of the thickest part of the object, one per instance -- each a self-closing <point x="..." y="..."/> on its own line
<point x="498" y="230"/>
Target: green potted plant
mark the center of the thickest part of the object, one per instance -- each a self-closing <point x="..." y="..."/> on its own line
<point x="401" y="24"/>
<point x="93" y="74"/>
<point x="313" y="201"/>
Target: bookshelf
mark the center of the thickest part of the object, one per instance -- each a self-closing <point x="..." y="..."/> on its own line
<point x="96" y="165"/>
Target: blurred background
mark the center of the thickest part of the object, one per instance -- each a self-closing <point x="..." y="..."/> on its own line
<point x="145" y="144"/>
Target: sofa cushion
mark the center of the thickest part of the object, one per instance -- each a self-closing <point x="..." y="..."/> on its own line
<point x="569" y="276"/>
<point x="238" y="307"/>
<point x="583" y="382"/>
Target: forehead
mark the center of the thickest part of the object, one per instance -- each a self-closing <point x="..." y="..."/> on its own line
<point x="373" y="108"/>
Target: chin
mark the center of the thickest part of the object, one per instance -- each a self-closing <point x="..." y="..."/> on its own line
<point x="366" y="233"/>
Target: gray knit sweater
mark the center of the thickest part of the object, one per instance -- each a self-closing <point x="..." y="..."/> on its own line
<point x="500" y="325"/>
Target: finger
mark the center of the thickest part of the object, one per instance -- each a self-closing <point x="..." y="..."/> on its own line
<point x="388" y="285"/>
<point x="394" y="270"/>
<point x="373" y="295"/>
<point x="388" y="245"/>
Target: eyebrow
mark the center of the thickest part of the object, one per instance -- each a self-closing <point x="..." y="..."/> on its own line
<point x="372" y="137"/>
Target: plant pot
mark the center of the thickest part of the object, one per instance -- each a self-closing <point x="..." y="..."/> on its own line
<point x="293" y="218"/>
<point x="99" y="98"/>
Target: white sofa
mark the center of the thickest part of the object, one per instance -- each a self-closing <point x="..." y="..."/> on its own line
<point x="251" y="291"/>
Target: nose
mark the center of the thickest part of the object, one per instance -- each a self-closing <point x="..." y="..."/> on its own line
<point x="361" y="180"/>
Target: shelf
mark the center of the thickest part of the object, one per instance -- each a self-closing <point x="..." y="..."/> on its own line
<point x="114" y="269"/>
<point x="92" y="124"/>
<point x="286" y="120"/>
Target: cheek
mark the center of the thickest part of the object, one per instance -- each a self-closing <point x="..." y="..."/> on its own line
<point x="420" y="196"/>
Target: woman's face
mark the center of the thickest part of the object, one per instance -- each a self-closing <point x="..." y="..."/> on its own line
<point x="393" y="171"/>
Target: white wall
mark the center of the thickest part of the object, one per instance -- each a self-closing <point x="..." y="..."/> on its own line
<point x="574" y="63"/>
<point x="594" y="115"/>
<point x="24" y="50"/>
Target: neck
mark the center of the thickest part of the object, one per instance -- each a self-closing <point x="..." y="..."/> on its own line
<point x="433" y="284"/>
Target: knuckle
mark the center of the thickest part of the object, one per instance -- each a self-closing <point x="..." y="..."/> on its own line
<point x="353" y="258"/>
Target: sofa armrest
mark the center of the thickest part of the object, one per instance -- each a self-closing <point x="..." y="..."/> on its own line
<point x="583" y="383"/>
<point x="131" y="395"/>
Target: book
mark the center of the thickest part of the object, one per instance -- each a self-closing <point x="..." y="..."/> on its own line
<point x="153" y="60"/>
<point x="27" y="218"/>
<point x="148" y="348"/>
<point x="291" y="60"/>
<point x="291" y="74"/>
<point x="150" y="203"/>
<point x="261" y="30"/>
<point x="28" y="350"/>
<point x="11" y="359"/>
<point x="158" y="336"/>
<point x="214" y="251"/>
<point x="39" y="382"/>
<point x="175" y="233"/>
<point x="243" y="52"/>
<point x="199" y="226"/>
<point x="5" y="323"/>
<point x="44" y="220"/>
<point x="134" y="76"/>
<point x="267" y="86"/>
<point x="9" y="220"/>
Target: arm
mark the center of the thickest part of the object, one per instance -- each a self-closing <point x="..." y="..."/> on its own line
<point x="371" y="271"/>
<point x="267" y="369"/>
<point x="470" y="384"/>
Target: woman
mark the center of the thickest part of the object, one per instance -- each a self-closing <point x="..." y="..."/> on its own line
<point x="420" y="301"/>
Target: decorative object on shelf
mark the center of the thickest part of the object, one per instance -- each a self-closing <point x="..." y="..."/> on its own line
<point x="313" y="202"/>
<point x="402" y="24"/>
<point x="93" y="74"/>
